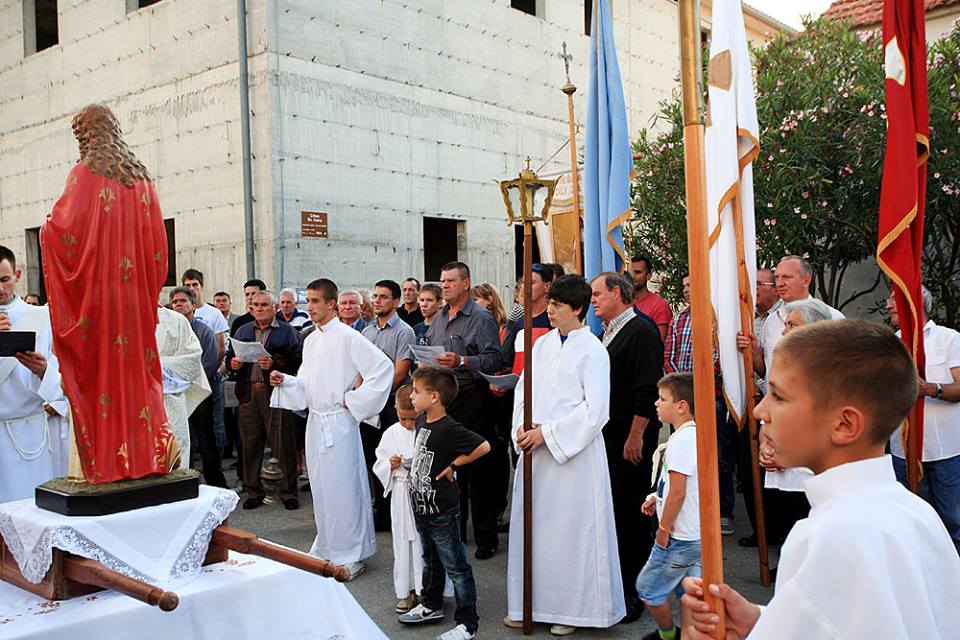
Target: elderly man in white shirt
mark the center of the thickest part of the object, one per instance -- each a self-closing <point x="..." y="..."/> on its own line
<point x="940" y="484"/>
<point x="793" y="277"/>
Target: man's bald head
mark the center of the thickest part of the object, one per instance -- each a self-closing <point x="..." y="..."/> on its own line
<point x="793" y="277"/>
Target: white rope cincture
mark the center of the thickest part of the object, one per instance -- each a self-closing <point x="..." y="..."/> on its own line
<point x="45" y="444"/>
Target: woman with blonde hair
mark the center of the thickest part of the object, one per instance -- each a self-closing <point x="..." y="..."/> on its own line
<point x="487" y="297"/>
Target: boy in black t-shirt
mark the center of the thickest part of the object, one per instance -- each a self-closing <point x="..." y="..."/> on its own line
<point x="442" y="446"/>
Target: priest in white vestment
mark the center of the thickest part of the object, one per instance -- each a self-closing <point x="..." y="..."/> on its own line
<point x="576" y="568"/>
<point x="335" y="358"/>
<point x="26" y="385"/>
<point x="185" y="384"/>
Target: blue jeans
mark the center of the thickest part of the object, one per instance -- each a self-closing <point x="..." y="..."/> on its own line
<point x="666" y="569"/>
<point x="445" y="555"/>
<point x="940" y="486"/>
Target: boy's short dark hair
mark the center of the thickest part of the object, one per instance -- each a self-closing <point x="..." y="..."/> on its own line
<point x="847" y="361"/>
<point x="255" y="282"/>
<point x="435" y="289"/>
<point x="680" y="386"/>
<point x="192" y="274"/>
<point x="573" y="290"/>
<point x="7" y="254"/>
<point x="404" y="403"/>
<point x="325" y="287"/>
<point x="392" y="286"/>
<point x="439" y="379"/>
<point x="222" y="293"/>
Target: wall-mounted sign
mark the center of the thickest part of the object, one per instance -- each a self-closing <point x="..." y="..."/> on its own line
<point x="313" y="224"/>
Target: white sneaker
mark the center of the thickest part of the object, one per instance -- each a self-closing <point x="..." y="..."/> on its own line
<point x="354" y="569"/>
<point x="420" y="614"/>
<point x="459" y="632"/>
<point x="561" y="630"/>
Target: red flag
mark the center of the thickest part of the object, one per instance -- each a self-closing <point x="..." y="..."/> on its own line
<point x="900" y="240"/>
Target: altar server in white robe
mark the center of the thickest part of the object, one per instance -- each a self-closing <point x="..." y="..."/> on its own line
<point x="576" y="569"/>
<point x="872" y="560"/>
<point x="28" y="382"/>
<point x="185" y="384"/>
<point x="344" y="379"/>
<point x="392" y="467"/>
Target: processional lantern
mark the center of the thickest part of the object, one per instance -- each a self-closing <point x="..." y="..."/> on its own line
<point x="527" y="200"/>
<point x="528" y="197"/>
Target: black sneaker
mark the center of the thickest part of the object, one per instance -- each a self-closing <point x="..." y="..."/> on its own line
<point x="252" y="503"/>
<point x="291" y="504"/>
<point x="484" y="553"/>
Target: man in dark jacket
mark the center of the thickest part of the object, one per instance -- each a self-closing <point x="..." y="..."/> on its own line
<point x="636" y="364"/>
<point x="258" y="422"/>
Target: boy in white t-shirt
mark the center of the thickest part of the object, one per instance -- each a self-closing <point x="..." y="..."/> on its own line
<point x="676" y="554"/>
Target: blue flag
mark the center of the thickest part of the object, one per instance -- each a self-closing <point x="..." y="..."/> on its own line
<point x="608" y="159"/>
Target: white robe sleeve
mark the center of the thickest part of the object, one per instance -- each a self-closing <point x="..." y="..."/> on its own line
<point x="48" y="387"/>
<point x="291" y="394"/>
<point x="572" y="433"/>
<point x="518" y="401"/>
<point x="381" y="466"/>
<point x="376" y="369"/>
<point x="186" y="361"/>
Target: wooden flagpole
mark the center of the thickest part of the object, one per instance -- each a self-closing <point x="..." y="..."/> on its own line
<point x="527" y="425"/>
<point x="569" y="88"/>
<point x="701" y="306"/>
<point x="746" y="327"/>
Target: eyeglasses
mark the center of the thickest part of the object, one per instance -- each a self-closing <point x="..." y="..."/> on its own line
<point x="766" y="284"/>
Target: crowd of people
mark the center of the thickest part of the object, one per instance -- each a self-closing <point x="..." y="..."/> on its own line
<point x="379" y="401"/>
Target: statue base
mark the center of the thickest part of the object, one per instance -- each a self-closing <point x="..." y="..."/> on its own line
<point x="70" y="498"/>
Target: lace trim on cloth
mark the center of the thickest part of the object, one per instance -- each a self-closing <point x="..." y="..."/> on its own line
<point x="34" y="563"/>
<point x="190" y="561"/>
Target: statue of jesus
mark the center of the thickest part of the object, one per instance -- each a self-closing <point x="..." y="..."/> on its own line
<point x="104" y="251"/>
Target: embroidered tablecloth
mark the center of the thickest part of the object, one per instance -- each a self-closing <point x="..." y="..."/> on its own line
<point x="164" y="545"/>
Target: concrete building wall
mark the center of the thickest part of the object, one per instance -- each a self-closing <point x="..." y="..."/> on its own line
<point x="169" y="72"/>
<point x="386" y="113"/>
<point x="378" y="112"/>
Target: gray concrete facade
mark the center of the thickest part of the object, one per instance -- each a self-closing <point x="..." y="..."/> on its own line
<point x="379" y="113"/>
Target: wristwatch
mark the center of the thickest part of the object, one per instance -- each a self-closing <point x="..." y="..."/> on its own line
<point x="939" y="392"/>
<point x="454" y="467"/>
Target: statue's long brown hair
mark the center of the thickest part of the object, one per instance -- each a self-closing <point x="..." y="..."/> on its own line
<point x="102" y="150"/>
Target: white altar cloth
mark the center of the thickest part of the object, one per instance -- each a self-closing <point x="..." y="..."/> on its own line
<point x="245" y="597"/>
<point x="163" y="545"/>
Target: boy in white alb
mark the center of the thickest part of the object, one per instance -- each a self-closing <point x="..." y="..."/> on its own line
<point x="872" y="560"/>
<point x="392" y="468"/>
<point x="676" y="552"/>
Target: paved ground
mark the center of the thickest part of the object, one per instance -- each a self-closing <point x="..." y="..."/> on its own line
<point x="374" y="589"/>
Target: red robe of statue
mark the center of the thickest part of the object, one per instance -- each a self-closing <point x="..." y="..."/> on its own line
<point x="105" y="259"/>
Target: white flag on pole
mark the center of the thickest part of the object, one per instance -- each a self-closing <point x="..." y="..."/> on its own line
<point x="731" y="144"/>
